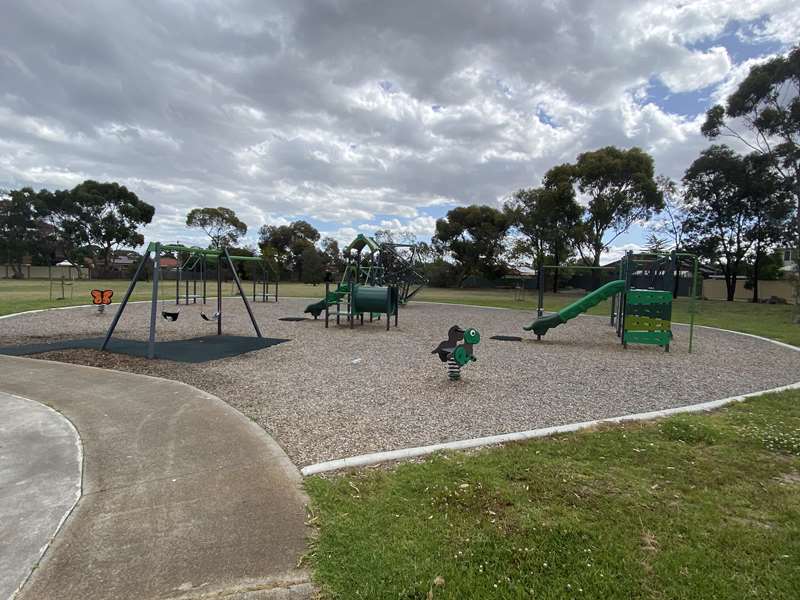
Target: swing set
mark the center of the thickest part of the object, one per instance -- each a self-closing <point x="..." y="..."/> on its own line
<point x="197" y="257"/>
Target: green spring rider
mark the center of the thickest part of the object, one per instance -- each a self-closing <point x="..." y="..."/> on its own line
<point x="457" y="355"/>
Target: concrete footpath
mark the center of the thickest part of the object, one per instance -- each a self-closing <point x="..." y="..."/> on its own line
<point x="40" y="482"/>
<point x="183" y="497"/>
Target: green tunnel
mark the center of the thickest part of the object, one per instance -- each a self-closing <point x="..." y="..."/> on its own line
<point x="374" y="299"/>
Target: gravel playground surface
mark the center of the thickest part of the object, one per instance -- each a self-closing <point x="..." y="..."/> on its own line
<point x="335" y="393"/>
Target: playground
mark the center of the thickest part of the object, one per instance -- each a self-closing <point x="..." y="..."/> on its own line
<point x="332" y="393"/>
<point x="201" y="380"/>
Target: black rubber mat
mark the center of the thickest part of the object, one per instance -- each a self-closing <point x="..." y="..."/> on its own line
<point x="194" y="350"/>
<point x="506" y="338"/>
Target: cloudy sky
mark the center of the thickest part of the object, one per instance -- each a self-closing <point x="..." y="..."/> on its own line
<point x="356" y="115"/>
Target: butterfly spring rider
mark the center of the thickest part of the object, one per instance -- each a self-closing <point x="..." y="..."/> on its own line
<point x="457" y="355"/>
<point x="101" y="299"/>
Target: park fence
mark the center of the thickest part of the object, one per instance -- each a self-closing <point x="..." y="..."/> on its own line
<point x="44" y="272"/>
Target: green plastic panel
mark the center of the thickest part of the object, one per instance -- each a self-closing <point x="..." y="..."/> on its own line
<point x="643" y="323"/>
<point x="639" y="297"/>
<point x="659" y="338"/>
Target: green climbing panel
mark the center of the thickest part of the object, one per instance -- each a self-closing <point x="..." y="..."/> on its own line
<point x="648" y="318"/>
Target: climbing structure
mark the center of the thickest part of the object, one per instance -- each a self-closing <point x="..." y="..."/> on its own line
<point x="641" y="316"/>
<point x="374" y="264"/>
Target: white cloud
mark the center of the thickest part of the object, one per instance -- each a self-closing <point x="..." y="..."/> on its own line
<point x="697" y="70"/>
<point x="353" y="114"/>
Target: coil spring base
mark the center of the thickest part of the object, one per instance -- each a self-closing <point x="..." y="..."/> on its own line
<point x="453" y="370"/>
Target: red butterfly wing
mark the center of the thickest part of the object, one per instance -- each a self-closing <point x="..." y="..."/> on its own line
<point x="97" y="296"/>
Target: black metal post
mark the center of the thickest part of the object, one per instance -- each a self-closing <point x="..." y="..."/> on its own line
<point x="327" y="289"/>
<point x="388" y="308"/>
<point x="125" y="299"/>
<point x="203" y="274"/>
<point x="350" y="303"/>
<point x="623" y="299"/>
<point x="241" y="293"/>
<point x="540" y="285"/>
<point x="219" y="296"/>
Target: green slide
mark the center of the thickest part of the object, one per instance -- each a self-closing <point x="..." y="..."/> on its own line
<point x="542" y="324"/>
<point x="332" y="298"/>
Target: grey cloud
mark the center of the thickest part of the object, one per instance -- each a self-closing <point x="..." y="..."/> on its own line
<point x="277" y="108"/>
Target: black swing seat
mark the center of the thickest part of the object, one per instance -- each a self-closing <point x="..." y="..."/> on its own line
<point x="214" y="317"/>
<point x="170" y="316"/>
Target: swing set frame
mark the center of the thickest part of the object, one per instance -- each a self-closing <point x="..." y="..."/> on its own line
<point x="219" y="255"/>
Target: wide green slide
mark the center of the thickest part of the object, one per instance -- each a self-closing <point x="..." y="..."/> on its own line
<point x="542" y="324"/>
<point x="332" y="298"/>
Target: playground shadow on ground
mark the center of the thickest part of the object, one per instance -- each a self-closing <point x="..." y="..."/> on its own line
<point x="194" y="350"/>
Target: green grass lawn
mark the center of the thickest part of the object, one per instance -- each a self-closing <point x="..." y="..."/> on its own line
<point x="17" y="295"/>
<point x="691" y="507"/>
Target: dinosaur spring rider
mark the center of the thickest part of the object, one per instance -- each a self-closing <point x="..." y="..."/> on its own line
<point x="457" y="355"/>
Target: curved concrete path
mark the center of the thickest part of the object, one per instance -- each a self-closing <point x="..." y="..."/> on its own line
<point x="40" y="482"/>
<point x="183" y="497"/>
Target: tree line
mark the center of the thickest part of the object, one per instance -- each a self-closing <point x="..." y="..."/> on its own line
<point x="732" y="210"/>
<point x="90" y="221"/>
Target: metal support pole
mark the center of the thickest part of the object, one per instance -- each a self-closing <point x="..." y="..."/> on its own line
<point x="125" y="299"/>
<point x="203" y="274"/>
<point x="623" y="299"/>
<point x="693" y="304"/>
<point x="242" y="294"/>
<point x="396" y="307"/>
<point x="613" y="309"/>
<point x="178" y="280"/>
<point x="388" y="307"/>
<point x="540" y="286"/>
<point x="151" y="340"/>
<point x="676" y="273"/>
<point x="350" y="304"/>
<point x="219" y="296"/>
<point x="327" y="290"/>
